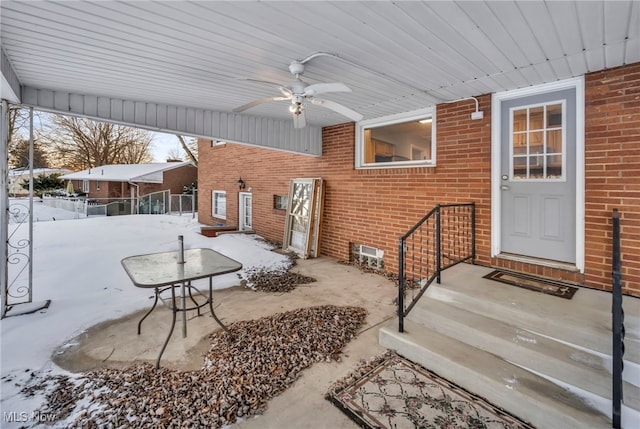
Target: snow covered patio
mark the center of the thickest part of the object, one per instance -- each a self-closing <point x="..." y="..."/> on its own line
<point x="93" y="316"/>
<point x="92" y="320"/>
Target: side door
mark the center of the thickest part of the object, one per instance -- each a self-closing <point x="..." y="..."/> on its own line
<point x="538" y="176"/>
<point x="245" y="215"/>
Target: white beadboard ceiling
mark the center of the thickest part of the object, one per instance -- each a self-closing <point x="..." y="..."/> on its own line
<point x="395" y="56"/>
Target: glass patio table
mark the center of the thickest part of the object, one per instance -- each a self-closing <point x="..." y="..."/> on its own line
<point x="168" y="271"/>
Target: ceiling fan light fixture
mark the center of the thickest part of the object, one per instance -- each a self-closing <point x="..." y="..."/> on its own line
<point x="296" y="109"/>
<point x="300" y="93"/>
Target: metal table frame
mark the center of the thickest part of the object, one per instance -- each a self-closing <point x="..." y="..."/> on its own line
<point x="170" y="270"/>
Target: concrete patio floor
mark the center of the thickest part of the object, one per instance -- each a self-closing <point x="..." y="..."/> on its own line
<point x="116" y="343"/>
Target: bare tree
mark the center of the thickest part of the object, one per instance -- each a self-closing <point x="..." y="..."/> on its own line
<point x="175" y="154"/>
<point x="189" y="148"/>
<point x="80" y="143"/>
<point x="19" y="154"/>
<point x="18" y="118"/>
<point x="18" y="139"/>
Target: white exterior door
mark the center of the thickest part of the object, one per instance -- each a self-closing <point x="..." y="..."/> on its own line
<point x="538" y="175"/>
<point x="245" y="222"/>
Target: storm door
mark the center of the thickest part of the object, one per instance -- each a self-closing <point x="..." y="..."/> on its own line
<point x="538" y="176"/>
<point x="304" y="217"/>
<point x="245" y="215"/>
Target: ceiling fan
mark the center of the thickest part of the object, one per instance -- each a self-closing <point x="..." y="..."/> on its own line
<point x="300" y="93"/>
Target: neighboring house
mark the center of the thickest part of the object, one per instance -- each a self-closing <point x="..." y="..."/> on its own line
<point x="133" y="180"/>
<point x="19" y="176"/>
<point x="545" y="167"/>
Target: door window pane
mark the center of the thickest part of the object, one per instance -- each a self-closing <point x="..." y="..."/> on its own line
<point x="537" y="144"/>
<point x="520" y="120"/>
<point x="536" y="118"/>
<point x="554" y="141"/>
<point x="554" y="166"/>
<point x="519" y="143"/>
<point x="247" y="211"/>
<point x="554" y="115"/>
<point x="536" y="167"/>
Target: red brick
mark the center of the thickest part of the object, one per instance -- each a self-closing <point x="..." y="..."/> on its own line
<point x="375" y="207"/>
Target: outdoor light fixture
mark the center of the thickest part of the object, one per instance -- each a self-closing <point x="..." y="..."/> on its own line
<point x="478" y="114"/>
<point x="240" y="184"/>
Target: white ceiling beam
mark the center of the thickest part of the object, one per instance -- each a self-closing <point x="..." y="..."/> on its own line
<point x="10" y="85"/>
<point x="230" y="127"/>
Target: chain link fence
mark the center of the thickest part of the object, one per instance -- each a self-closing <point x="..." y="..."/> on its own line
<point x="161" y="202"/>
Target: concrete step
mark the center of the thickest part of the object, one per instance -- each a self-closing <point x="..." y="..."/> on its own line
<point x="584" y="320"/>
<point x="574" y="366"/>
<point x="521" y="392"/>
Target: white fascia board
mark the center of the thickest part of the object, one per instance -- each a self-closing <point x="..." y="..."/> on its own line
<point x="209" y="124"/>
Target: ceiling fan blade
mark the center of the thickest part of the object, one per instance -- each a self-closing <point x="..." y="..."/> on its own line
<point x="257" y="103"/>
<point x="339" y="108"/>
<point x="287" y="92"/>
<point x="321" y="88"/>
<point x="299" y="120"/>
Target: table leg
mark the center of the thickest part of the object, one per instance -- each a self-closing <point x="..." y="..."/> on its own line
<point x="148" y="312"/>
<point x="213" y="313"/>
<point x="184" y="310"/>
<point x="195" y="303"/>
<point x="174" y="310"/>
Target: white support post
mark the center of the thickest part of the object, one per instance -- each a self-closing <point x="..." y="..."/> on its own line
<point x="30" y="204"/>
<point x="4" y="205"/>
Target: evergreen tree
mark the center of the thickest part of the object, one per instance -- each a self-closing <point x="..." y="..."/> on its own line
<point x="43" y="184"/>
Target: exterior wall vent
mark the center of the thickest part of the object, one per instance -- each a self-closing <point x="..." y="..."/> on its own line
<point x="368" y="256"/>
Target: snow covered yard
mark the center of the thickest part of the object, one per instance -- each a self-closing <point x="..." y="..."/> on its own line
<point x="77" y="266"/>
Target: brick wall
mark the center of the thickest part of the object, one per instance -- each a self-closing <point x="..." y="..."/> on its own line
<point x="176" y="179"/>
<point x="173" y="180"/>
<point x="375" y="207"/>
<point x="372" y="207"/>
<point x="612" y="156"/>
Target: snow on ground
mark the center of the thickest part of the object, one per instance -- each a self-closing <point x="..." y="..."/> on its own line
<point x="18" y="212"/>
<point x="77" y="266"/>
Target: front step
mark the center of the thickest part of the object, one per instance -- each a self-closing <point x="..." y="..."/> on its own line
<point x="541" y="354"/>
<point x="528" y="396"/>
<point x="510" y="345"/>
<point x="584" y="320"/>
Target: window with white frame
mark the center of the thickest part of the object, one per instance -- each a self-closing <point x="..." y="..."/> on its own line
<point x="280" y="202"/>
<point x="85" y="186"/>
<point x="397" y="141"/>
<point x="219" y="203"/>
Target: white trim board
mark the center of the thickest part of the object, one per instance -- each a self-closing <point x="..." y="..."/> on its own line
<point x="496" y="99"/>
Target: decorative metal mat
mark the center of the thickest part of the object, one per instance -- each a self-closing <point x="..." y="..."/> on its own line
<point x="536" y="284"/>
<point x="392" y="392"/>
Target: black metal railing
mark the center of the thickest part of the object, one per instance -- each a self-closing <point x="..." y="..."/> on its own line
<point x="443" y="238"/>
<point x="617" y="322"/>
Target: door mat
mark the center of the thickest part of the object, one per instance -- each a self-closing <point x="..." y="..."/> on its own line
<point x="548" y="287"/>
<point x="391" y="392"/>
